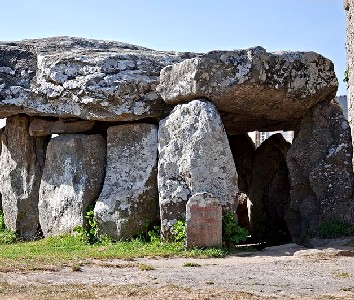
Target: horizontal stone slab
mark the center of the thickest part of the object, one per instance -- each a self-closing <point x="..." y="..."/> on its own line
<point x="42" y="127"/>
<point x="89" y="79"/>
<point x="252" y="88"/>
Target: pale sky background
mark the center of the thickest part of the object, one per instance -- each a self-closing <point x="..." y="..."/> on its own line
<point x="187" y="25"/>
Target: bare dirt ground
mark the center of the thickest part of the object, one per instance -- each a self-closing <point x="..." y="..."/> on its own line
<point x="283" y="272"/>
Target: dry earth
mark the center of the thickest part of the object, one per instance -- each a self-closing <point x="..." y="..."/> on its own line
<point x="283" y="272"/>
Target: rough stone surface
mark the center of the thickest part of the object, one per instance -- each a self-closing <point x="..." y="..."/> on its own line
<point x="89" y="79"/>
<point x="349" y="7"/>
<point x="21" y="164"/>
<point x="252" y="88"/>
<point x="129" y="199"/>
<point x="269" y="191"/>
<point x="203" y="221"/>
<point x="43" y="127"/>
<point x="72" y="180"/>
<point x="243" y="150"/>
<point x="194" y="157"/>
<point x="1" y="132"/>
<point x="320" y="171"/>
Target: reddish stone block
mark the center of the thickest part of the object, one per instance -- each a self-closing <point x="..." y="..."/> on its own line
<point x="204" y="221"/>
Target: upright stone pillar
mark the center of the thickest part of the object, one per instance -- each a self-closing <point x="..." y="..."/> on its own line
<point x="21" y="164"/>
<point x="349" y="8"/>
<point x="72" y="180"/>
<point x="1" y="132"/>
<point x="194" y="157"/>
<point x="320" y="171"/>
<point x="129" y="200"/>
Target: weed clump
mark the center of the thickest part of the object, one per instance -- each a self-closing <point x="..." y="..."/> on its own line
<point x="232" y="233"/>
<point x="335" y="229"/>
<point x="6" y="236"/>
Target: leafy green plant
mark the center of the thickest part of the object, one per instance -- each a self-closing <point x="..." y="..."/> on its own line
<point x="149" y="233"/>
<point x="154" y="234"/>
<point x="179" y="231"/>
<point x="2" y="223"/>
<point x="6" y="236"/>
<point x="346" y="76"/>
<point x="232" y="233"/>
<point x="90" y="233"/>
<point x="92" y="227"/>
<point x="335" y="229"/>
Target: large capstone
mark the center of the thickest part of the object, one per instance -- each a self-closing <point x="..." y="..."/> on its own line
<point x="252" y="88"/>
<point x="71" y="182"/>
<point x="269" y="191"/>
<point x="320" y="171"/>
<point x="194" y="157"/>
<point x="128" y="203"/>
<point x="21" y="164"/>
<point x="89" y="79"/>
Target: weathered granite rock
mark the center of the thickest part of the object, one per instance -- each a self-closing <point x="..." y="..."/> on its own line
<point x="203" y="221"/>
<point x="89" y="79"/>
<point x="43" y="127"/>
<point x="129" y="198"/>
<point x="349" y="8"/>
<point x="194" y="157"/>
<point x="72" y="180"/>
<point x="21" y="164"/>
<point x="1" y="132"/>
<point x="269" y="191"/>
<point x="252" y="88"/>
<point x="320" y="171"/>
<point x="243" y="150"/>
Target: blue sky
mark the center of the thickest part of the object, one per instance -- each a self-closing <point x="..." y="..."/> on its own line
<point x="187" y="25"/>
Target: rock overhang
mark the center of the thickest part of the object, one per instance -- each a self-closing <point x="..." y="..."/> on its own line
<point x="252" y="88"/>
<point x="111" y="81"/>
<point x="88" y="79"/>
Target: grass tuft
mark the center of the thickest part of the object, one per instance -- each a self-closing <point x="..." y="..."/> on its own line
<point x="145" y="267"/>
<point x="335" y="229"/>
<point x="342" y="275"/>
<point x="191" y="265"/>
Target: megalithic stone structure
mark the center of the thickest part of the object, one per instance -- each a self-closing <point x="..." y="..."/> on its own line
<point x="175" y="112"/>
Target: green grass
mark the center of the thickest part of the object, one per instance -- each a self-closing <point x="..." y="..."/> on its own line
<point x="69" y="250"/>
<point x="335" y="229"/>
<point x="145" y="267"/>
<point x="342" y="274"/>
<point x="119" y="291"/>
<point x="6" y="236"/>
<point x="191" y="265"/>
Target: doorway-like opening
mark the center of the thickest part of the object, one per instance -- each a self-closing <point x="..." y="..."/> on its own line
<point x="264" y="188"/>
